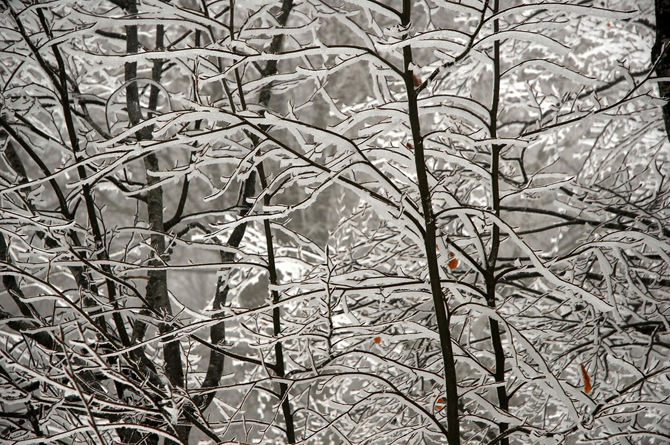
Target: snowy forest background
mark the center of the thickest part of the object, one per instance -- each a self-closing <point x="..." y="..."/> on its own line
<point x="334" y="222"/>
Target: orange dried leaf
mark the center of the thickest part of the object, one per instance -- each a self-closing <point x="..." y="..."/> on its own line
<point x="440" y="400"/>
<point x="439" y="407"/>
<point x="452" y="254"/>
<point x="587" y="379"/>
<point x="378" y="340"/>
<point x="410" y="146"/>
<point x="453" y="263"/>
<point x="417" y="80"/>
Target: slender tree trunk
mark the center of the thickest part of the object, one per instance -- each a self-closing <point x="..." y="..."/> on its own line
<point x="218" y="331"/>
<point x="441" y="310"/>
<point x="276" y="319"/>
<point x="264" y="100"/>
<point x="661" y="52"/>
<point x="157" y="291"/>
<point x="496" y="335"/>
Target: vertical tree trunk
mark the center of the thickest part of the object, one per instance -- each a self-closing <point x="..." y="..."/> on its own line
<point x="264" y="100"/>
<point x="661" y="53"/>
<point x="441" y="310"/>
<point x="157" y="291"/>
<point x="496" y="335"/>
<point x="218" y="331"/>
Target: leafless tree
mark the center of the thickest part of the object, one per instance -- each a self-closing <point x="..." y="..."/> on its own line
<point x="319" y="221"/>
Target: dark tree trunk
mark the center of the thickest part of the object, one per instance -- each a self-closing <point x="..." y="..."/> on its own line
<point x="661" y="53"/>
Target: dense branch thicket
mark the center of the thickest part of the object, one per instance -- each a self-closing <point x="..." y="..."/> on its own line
<point x="333" y="221"/>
